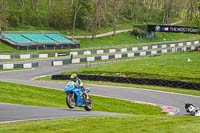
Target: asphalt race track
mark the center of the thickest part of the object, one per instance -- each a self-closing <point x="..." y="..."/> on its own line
<point x="12" y="113"/>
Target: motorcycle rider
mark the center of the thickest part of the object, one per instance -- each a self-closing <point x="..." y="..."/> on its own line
<point x="78" y="84"/>
<point x="190" y="108"/>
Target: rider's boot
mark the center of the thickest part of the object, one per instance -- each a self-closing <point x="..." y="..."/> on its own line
<point x="86" y="98"/>
<point x="86" y="95"/>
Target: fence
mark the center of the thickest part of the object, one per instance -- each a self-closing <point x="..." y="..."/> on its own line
<point x="14" y="66"/>
<point x="124" y="55"/>
<point x="99" y="51"/>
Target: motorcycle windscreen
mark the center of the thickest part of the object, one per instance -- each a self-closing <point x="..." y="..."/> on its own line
<point x="69" y="87"/>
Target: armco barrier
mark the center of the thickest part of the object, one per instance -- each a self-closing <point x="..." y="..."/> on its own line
<point x="27" y="56"/>
<point x="112" y="50"/>
<point x="123" y="55"/>
<point x="138" y="81"/>
<point x="14" y="66"/>
<point x="122" y="50"/>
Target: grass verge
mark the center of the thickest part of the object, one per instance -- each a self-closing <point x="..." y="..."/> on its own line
<point x="126" y="38"/>
<point x="182" y="66"/>
<point x="109" y="41"/>
<point x="113" y="124"/>
<point x="29" y="95"/>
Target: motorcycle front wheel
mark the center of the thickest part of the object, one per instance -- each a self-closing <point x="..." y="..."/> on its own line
<point x="89" y="105"/>
<point x="70" y="100"/>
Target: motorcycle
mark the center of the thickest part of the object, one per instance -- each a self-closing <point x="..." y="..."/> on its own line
<point x="76" y="97"/>
<point x="193" y="110"/>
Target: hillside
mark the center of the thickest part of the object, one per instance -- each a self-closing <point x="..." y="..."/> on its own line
<point x="91" y="17"/>
<point x="80" y="17"/>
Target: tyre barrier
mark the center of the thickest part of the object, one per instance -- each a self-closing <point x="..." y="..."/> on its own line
<point x="90" y="52"/>
<point x="14" y="66"/>
<point x="123" y="55"/>
<point x="131" y="80"/>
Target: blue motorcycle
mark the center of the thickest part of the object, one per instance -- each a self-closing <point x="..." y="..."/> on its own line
<point x="76" y="97"/>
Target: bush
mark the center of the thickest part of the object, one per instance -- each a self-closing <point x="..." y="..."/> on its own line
<point x="32" y="18"/>
<point x="27" y="17"/>
<point x="14" y="18"/>
<point x="137" y="32"/>
<point x="57" y="17"/>
<point x="14" y="21"/>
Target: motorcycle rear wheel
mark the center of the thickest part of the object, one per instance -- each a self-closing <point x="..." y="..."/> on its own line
<point x="70" y="100"/>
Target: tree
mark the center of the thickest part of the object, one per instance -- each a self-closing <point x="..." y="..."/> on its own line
<point x="84" y="17"/>
<point x="3" y="15"/>
<point x="117" y="6"/>
<point x="97" y="4"/>
<point x="83" y="11"/>
<point x="194" y="11"/>
<point x="21" y="4"/>
<point x="92" y="15"/>
<point x="76" y="10"/>
<point x="49" y="3"/>
<point x="34" y="4"/>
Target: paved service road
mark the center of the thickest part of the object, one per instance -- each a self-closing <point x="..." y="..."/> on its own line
<point x="26" y="76"/>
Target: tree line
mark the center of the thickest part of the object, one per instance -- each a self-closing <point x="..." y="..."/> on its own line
<point x="90" y="15"/>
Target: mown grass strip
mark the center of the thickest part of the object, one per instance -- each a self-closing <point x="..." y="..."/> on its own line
<point x="114" y="124"/>
<point x="114" y="41"/>
<point x="126" y="38"/>
<point x="173" y="66"/>
<point x="29" y="95"/>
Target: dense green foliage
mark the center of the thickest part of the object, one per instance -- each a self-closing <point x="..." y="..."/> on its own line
<point x="174" y="66"/>
<point x="94" y="14"/>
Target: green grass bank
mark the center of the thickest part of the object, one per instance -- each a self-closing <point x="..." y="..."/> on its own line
<point x="118" y="124"/>
<point x="182" y="66"/>
<point x="37" y="96"/>
<point x="120" y="40"/>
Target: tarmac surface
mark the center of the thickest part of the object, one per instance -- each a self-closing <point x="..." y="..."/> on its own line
<point x="13" y="112"/>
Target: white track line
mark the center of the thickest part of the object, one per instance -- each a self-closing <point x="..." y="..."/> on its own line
<point x="9" y="71"/>
<point x="4" y="122"/>
<point x="140" y="102"/>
